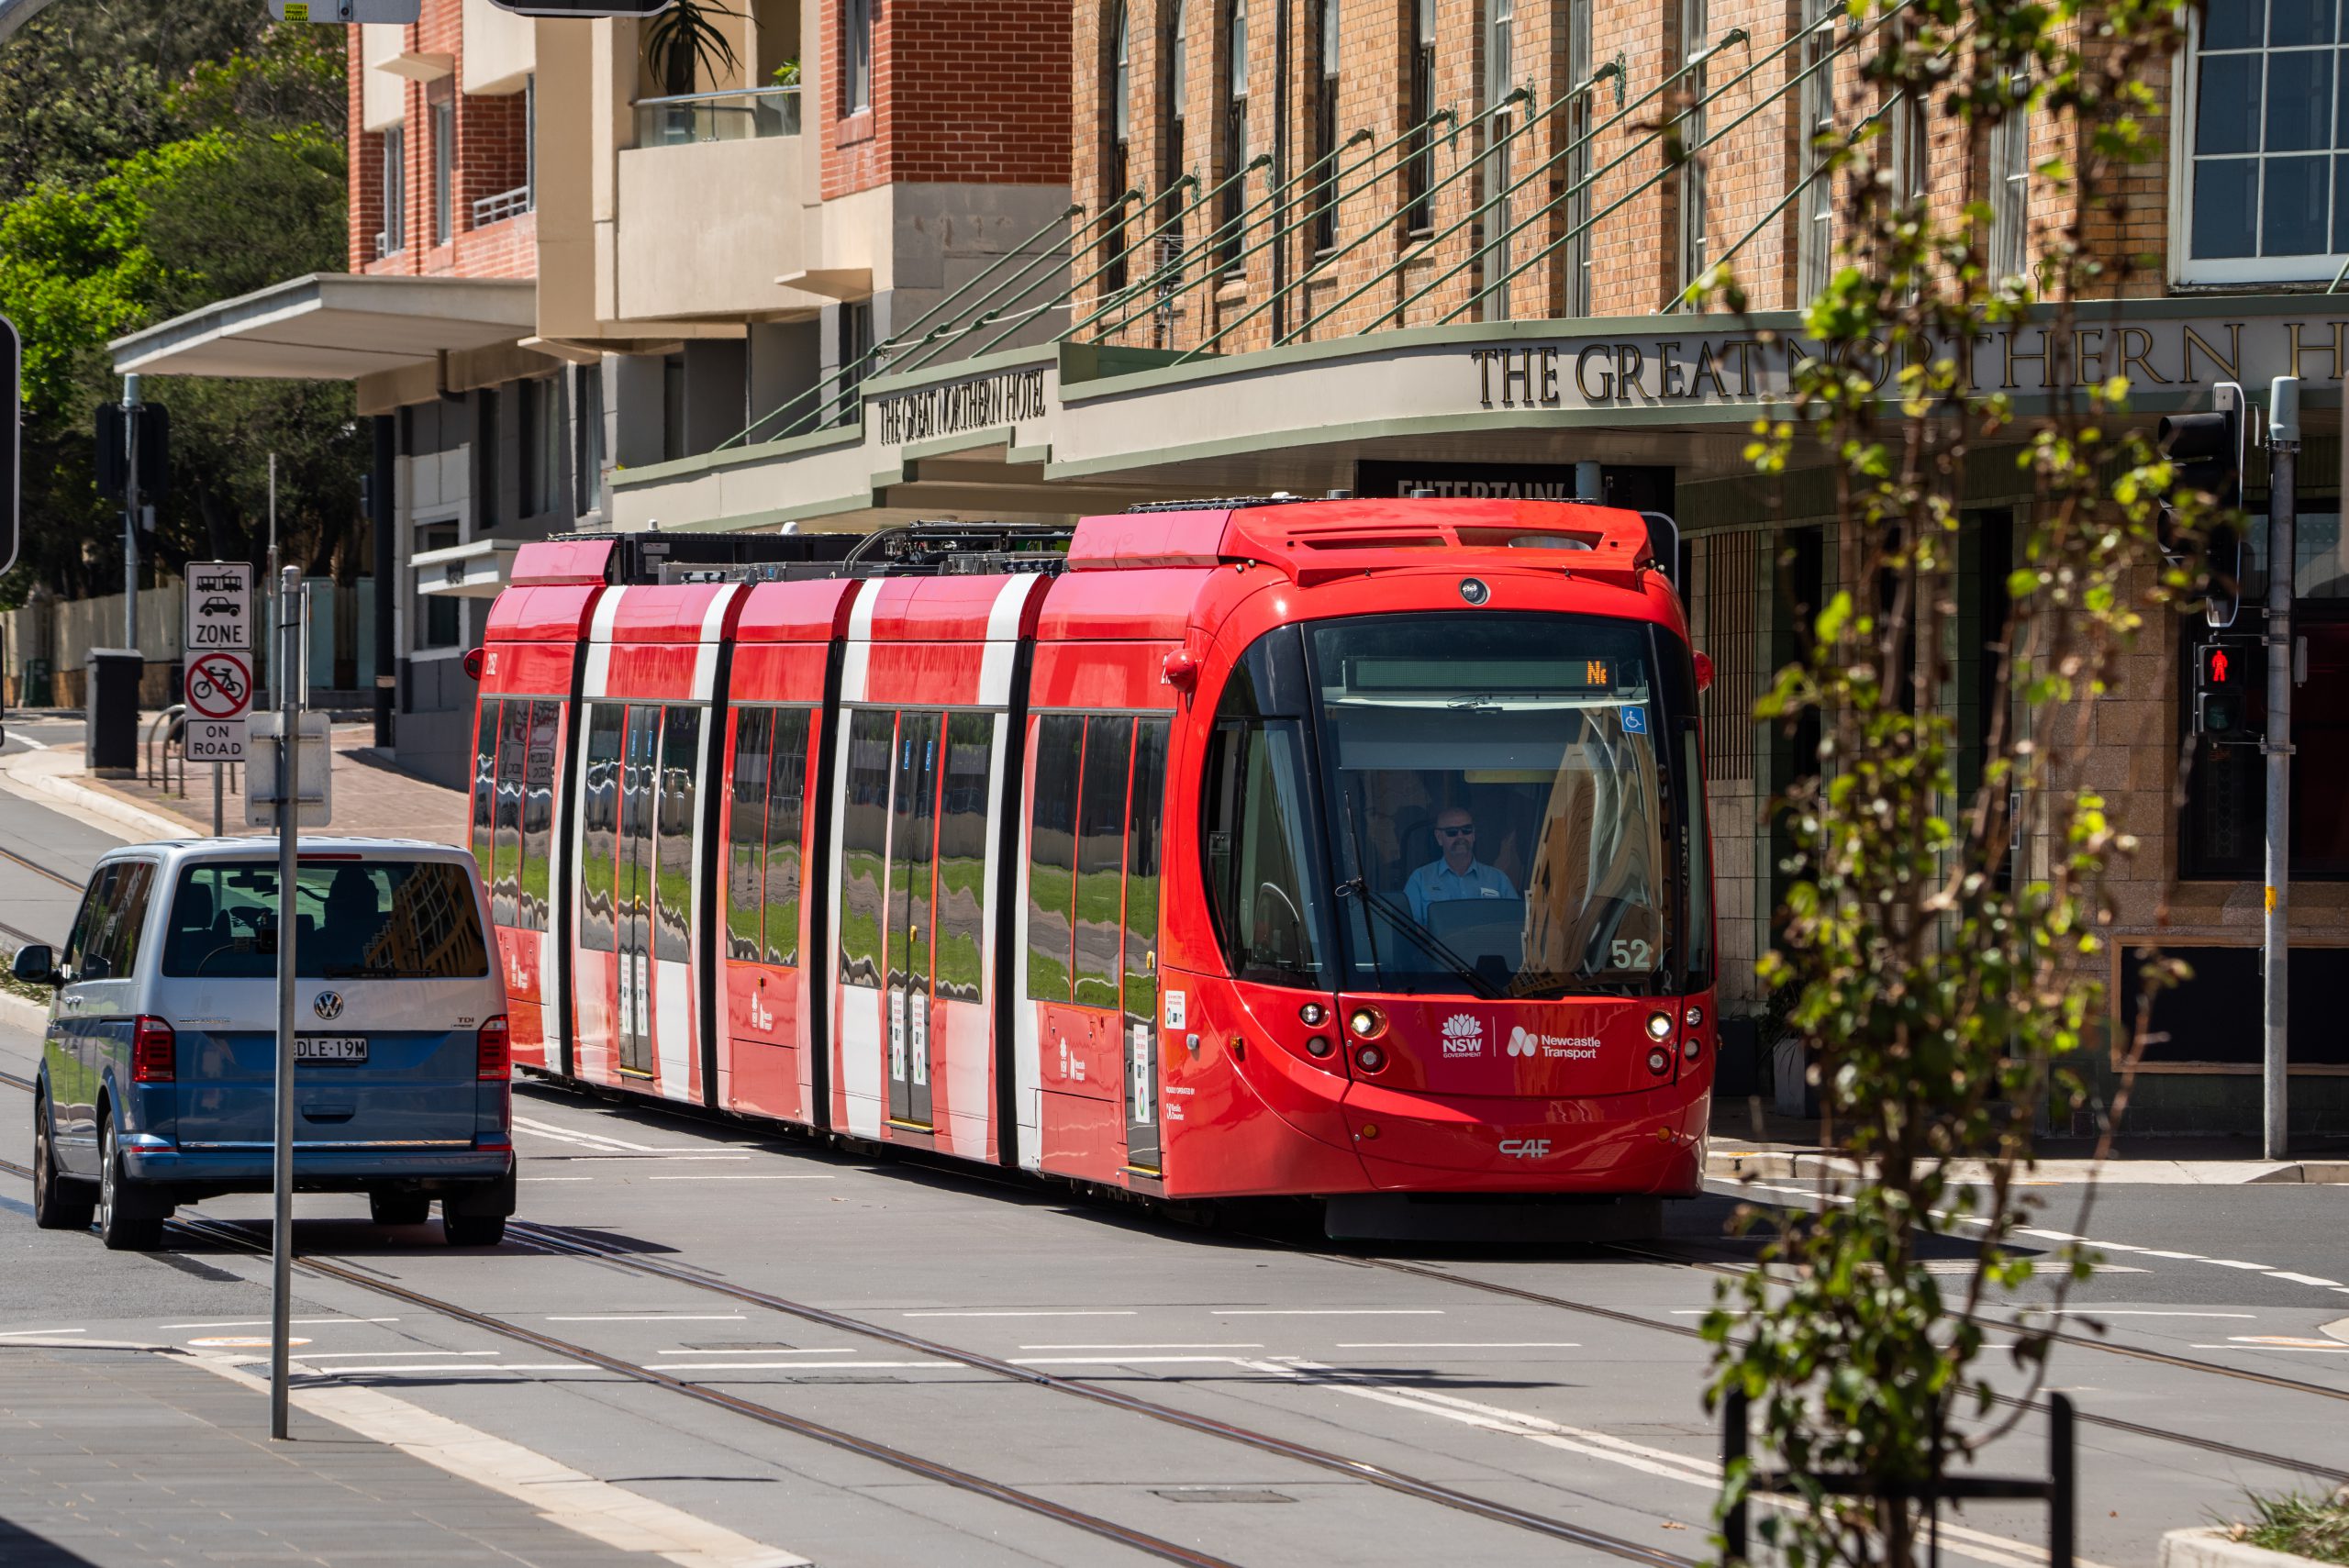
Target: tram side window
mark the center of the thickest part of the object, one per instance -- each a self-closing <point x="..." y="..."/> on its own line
<point x="746" y="833"/>
<point x="962" y="858"/>
<point x="1101" y="858"/>
<point x="786" y="802"/>
<point x="640" y="782"/>
<point x="864" y="844"/>
<point x="485" y="781"/>
<point x="1052" y="855"/>
<point x="1144" y="833"/>
<point x="1256" y="852"/>
<point x="538" y="816"/>
<point x="673" y="885"/>
<point x="513" y="744"/>
<point x="599" y="822"/>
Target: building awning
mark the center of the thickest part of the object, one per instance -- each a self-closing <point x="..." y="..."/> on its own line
<point x="334" y="327"/>
<point x="476" y="571"/>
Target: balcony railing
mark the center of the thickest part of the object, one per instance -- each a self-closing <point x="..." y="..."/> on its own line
<point x="501" y="206"/>
<point x="743" y="116"/>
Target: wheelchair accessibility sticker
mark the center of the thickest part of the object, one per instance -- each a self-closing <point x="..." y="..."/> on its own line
<point x="1635" y="721"/>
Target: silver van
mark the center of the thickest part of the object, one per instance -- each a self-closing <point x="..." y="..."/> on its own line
<point x="158" y="1072"/>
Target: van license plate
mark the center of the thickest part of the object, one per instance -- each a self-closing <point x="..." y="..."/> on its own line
<point x="330" y="1048"/>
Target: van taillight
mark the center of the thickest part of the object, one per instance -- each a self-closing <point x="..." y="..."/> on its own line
<point x="493" y="1050"/>
<point x="154" y="1052"/>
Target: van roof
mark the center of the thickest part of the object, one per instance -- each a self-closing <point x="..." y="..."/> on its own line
<point x="307" y="847"/>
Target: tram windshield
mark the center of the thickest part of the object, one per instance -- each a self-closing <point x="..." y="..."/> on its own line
<point x="1499" y="792"/>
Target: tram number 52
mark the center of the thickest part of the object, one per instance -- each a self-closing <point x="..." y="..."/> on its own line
<point x="1628" y="954"/>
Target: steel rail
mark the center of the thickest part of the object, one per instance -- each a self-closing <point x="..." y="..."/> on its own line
<point x="1360" y="1470"/>
<point x="767" y="1415"/>
<point x="73" y="882"/>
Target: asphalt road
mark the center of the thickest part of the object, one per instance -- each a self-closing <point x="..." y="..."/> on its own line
<point x="39" y="846"/>
<point x="1583" y="1409"/>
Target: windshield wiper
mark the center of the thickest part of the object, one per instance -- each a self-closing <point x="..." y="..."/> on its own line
<point x="1403" y="917"/>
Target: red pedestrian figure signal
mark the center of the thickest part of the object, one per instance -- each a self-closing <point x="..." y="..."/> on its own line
<point x="2224" y="671"/>
<point x="2217" y="666"/>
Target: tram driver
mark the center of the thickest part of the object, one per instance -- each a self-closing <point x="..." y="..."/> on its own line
<point x="1455" y="873"/>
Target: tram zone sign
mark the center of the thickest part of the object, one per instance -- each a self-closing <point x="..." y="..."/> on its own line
<point x="218" y="640"/>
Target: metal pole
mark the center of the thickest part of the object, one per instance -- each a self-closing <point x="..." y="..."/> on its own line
<point x="289" y="812"/>
<point x="2283" y="462"/>
<point x="379" y="495"/>
<point x="219" y="795"/>
<point x="130" y="513"/>
<point x="1736" y="1434"/>
<point x="270" y="599"/>
<point x="2063" y="1504"/>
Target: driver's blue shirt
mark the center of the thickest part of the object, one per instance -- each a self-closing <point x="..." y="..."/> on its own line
<point x="1435" y="882"/>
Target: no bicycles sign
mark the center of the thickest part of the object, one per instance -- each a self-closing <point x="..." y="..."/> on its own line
<point x="219" y="681"/>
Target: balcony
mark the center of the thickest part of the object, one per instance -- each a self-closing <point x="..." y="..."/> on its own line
<point x="748" y="115"/>
<point x="708" y="210"/>
<point x="501" y="206"/>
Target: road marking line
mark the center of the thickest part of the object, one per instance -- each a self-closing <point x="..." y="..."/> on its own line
<point x="382" y="1355"/>
<point x="1327" y="1311"/>
<point x="2114" y="1312"/>
<point x="2276" y="1345"/>
<point x="408" y="1369"/>
<point x="688" y="1351"/>
<point x="1463" y="1345"/>
<point x="2239" y="1263"/>
<point x="773" y="1176"/>
<point x="265" y="1323"/>
<point x="1120" y="1312"/>
<point x="2306" y="1279"/>
<point x="655" y="1317"/>
<point x="1177" y="1347"/>
<point x="672" y="1159"/>
<point x="785" y="1365"/>
<point x="38" y="1334"/>
<point x="1689" y="1469"/>
<point x="575" y="1135"/>
<point x="1140" y="1361"/>
<point x="554" y="1178"/>
<point x="628" y="1521"/>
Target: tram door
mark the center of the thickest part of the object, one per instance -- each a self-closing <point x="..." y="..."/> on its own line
<point x="1143" y="838"/>
<point x="640" y="775"/>
<point x="913" y="831"/>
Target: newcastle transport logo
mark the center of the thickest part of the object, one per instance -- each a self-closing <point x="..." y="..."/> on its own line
<point x="1523" y="1042"/>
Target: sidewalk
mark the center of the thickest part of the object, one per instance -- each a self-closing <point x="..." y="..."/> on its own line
<point x="1750" y="1141"/>
<point x="371" y="795"/>
<point x="131" y="1457"/>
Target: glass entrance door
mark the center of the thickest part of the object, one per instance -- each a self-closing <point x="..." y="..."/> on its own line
<point x="913" y="830"/>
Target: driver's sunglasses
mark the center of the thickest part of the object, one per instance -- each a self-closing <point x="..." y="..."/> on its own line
<point x="1456" y="832"/>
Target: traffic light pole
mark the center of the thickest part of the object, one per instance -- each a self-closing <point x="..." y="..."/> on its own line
<point x="130" y="516"/>
<point x="2283" y="462"/>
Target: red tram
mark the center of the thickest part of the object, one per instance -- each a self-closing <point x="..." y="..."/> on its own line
<point x="1350" y="848"/>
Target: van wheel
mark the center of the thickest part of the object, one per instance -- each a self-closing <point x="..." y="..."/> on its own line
<point x="473" y="1230"/>
<point x="121" y="1230"/>
<point x="399" y="1208"/>
<point x="59" y="1204"/>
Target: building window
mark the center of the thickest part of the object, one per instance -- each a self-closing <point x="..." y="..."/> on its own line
<point x="1419" y="175"/>
<point x="1500" y="22"/>
<point x="857" y="23"/>
<point x="587" y="471"/>
<point x="1121" y="108"/>
<point x="542" y="446"/>
<point x="1235" y="133"/>
<point x="2008" y="251"/>
<point x="1324" y="180"/>
<point x="2266" y="200"/>
<point x="856" y="355"/>
<point x="489" y="507"/>
<point x="1815" y="209"/>
<point x="1579" y="119"/>
<point x="392" y="238"/>
<point x="444" y="164"/>
<point x="1695" y="242"/>
<point x="2224" y="831"/>
<point x="439" y="618"/>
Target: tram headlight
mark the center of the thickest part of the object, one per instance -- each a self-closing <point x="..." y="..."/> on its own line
<point x="1319" y="1046"/>
<point x="1365" y="1023"/>
<point x="1693" y="1047"/>
<point x="1659" y="1061"/>
<point x="1311" y="1014"/>
<point x="1659" y="1025"/>
<point x="1694" y="1018"/>
<point x="1369" y="1058"/>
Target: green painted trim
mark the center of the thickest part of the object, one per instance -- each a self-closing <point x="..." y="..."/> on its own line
<point x="735" y="457"/>
<point x="1036" y="456"/>
<point x="1046" y="355"/>
<point x="1091" y="361"/>
<point x="960" y="441"/>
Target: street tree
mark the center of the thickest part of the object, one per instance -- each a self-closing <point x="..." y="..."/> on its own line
<point x="1939" y="951"/>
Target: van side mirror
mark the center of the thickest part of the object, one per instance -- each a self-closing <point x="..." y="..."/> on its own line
<point x="37" y="965"/>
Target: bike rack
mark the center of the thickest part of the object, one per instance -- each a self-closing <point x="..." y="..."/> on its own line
<point x="176" y="717"/>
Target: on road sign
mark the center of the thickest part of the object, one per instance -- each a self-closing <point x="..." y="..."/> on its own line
<point x="219" y="686"/>
<point x="213" y="739"/>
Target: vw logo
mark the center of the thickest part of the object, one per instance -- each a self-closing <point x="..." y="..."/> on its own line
<point x="329" y="1005"/>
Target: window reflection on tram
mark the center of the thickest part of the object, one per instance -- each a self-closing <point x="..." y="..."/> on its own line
<point x="1497" y="804"/>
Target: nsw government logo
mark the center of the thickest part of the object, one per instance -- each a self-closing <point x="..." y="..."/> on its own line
<point x="1463" y="1035"/>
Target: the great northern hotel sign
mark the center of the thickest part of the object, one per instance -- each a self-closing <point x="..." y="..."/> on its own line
<point x="1695" y="369"/>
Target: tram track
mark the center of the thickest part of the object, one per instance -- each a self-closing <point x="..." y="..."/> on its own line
<point x="13" y="858"/>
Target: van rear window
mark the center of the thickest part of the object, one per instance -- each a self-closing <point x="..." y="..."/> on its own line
<point x="358" y="920"/>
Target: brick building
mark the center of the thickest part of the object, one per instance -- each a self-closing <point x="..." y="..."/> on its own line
<point x="1387" y="244"/>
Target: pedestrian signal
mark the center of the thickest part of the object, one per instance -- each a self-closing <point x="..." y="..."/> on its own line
<point x="2227" y="672"/>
